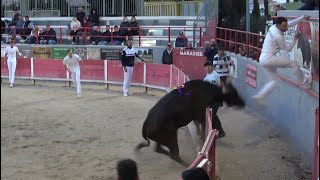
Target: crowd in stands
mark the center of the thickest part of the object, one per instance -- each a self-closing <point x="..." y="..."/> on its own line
<point x="81" y="26"/>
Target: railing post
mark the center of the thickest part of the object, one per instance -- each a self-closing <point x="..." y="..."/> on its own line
<point x="315" y="168"/>
<point x="139" y="36"/>
<point x="169" y="34"/>
<point x="200" y="38"/>
<point x="60" y="36"/>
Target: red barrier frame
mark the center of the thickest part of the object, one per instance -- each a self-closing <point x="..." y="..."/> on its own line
<point x="315" y="168"/>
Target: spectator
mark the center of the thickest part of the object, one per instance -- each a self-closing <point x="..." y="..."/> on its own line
<point x="206" y="44"/>
<point x="127" y="170"/>
<point x="134" y="25"/>
<point x="195" y="174"/>
<point x="181" y="40"/>
<point x="75" y="25"/>
<point x="27" y="28"/>
<point x="167" y="55"/>
<point x="124" y="25"/>
<point x="94" y="18"/>
<point x="106" y="39"/>
<point x="118" y="37"/>
<point x="189" y="46"/>
<point x="221" y="63"/>
<point x="241" y="51"/>
<point x="3" y="28"/>
<point x="15" y="18"/>
<point x="277" y="7"/>
<point x="18" y="26"/>
<point x="80" y="15"/>
<point x="96" y="36"/>
<point x="49" y="36"/>
<point x="32" y="39"/>
<point x="211" y="51"/>
<point x="309" y="5"/>
<point x="85" y="28"/>
<point x="129" y="32"/>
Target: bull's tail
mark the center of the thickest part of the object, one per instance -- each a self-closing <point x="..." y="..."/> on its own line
<point x="143" y="144"/>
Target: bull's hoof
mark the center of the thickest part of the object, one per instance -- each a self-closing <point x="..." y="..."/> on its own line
<point x="161" y="151"/>
<point x="178" y="159"/>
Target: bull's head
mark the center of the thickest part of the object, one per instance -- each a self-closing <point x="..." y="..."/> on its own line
<point x="231" y="95"/>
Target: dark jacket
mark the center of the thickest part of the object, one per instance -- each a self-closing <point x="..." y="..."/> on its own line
<point x="80" y="16"/>
<point x="106" y="34"/>
<point x="123" y="26"/>
<point x="94" y="37"/>
<point x="50" y="35"/>
<point x="117" y="34"/>
<point x="166" y="57"/>
<point x="94" y="17"/>
<point x="3" y="26"/>
<point x="181" y="41"/>
<point x="134" y="27"/>
<point x="210" y="53"/>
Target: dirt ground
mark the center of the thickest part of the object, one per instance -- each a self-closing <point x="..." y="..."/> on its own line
<point x="47" y="133"/>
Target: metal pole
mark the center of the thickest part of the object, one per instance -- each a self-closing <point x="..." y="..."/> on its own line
<point x="122" y="8"/>
<point x="142" y="9"/>
<point x="247" y="16"/>
<point x="113" y="7"/>
<point x="52" y="7"/>
<point x="68" y="10"/>
<point x="104" y="8"/>
<point x="217" y="10"/>
<point x="5" y="9"/>
<point x="161" y="7"/>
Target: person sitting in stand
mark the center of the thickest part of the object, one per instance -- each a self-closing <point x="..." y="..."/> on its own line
<point x="181" y="40"/>
<point x="49" y="36"/>
<point x="96" y="36"/>
<point x="106" y="36"/>
<point x="118" y="37"/>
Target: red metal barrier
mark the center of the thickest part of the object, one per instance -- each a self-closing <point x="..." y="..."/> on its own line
<point x="45" y="68"/>
<point x="315" y="168"/>
<point x="94" y="70"/>
<point x="23" y="67"/>
<point x="157" y="74"/>
<point x="190" y="62"/>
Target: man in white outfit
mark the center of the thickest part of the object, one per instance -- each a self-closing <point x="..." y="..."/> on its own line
<point x="11" y="51"/>
<point x="71" y="63"/>
<point x="273" y="43"/>
<point x="127" y="61"/>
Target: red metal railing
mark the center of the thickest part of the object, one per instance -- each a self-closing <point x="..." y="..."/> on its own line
<point x="315" y="168"/>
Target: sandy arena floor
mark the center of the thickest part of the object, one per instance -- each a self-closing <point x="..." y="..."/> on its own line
<point x="47" y="133"/>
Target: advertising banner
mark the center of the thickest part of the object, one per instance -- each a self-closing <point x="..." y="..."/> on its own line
<point x="93" y="54"/>
<point x="111" y="54"/>
<point x="41" y="52"/>
<point x="60" y="52"/>
<point x="252" y="75"/>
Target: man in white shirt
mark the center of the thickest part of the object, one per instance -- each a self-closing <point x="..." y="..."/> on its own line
<point x="71" y="63"/>
<point x="11" y="51"/>
<point x="214" y="78"/>
<point x="273" y="43"/>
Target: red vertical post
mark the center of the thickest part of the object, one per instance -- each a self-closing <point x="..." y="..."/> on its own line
<point x="225" y="38"/>
<point x="139" y="37"/>
<point x="200" y="38"/>
<point x="169" y="34"/>
<point x="60" y="35"/>
<point x="315" y="168"/>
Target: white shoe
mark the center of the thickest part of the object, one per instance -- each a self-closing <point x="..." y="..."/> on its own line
<point x="125" y="95"/>
<point x="259" y="101"/>
<point x="11" y="85"/>
<point x="307" y="83"/>
<point x="79" y="96"/>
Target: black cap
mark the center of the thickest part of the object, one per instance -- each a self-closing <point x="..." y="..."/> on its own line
<point x="208" y="63"/>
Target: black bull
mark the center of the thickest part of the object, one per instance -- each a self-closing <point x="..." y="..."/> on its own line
<point x="179" y="107"/>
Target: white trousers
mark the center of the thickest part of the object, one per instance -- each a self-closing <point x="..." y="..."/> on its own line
<point x="127" y="79"/>
<point x="271" y="65"/>
<point x="76" y="80"/>
<point x="12" y="70"/>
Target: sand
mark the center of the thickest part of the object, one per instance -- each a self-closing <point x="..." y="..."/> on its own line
<point x="47" y="133"/>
